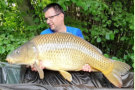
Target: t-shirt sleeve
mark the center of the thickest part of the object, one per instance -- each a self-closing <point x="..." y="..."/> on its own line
<point x="47" y="31"/>
<point x="43" y="32"/>
<point x="79" y="33"/>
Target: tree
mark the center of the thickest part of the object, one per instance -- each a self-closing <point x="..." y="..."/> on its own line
<point x="109" y="25"/>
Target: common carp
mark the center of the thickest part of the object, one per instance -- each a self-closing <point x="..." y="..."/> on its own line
<point x="65" y="52"/>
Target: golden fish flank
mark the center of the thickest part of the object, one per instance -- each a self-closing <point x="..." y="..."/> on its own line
<point x="65" y="52"/>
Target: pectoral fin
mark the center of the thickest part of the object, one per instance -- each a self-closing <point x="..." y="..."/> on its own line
<point x="40" y="71"/>
<point x="66" y="75"/>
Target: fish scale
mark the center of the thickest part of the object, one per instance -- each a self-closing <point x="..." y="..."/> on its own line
<point x="50" y="43"/>
<point x="65" y="52"/>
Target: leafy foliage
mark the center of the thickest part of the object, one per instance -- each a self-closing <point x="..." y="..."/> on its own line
<point x="107" y="24"/>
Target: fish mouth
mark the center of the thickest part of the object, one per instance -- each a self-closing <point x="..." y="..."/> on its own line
<point x="9" y="60"/>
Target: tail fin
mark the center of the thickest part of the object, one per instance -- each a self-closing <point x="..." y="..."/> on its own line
<point x="114" y="76"/>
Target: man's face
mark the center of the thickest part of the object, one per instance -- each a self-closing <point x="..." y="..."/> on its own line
<point x="53" y="19"/>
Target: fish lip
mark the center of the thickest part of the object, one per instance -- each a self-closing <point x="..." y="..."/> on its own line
<point x="9" y="60"/>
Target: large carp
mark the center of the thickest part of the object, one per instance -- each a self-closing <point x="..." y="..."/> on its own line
<point x="65" y="52"/>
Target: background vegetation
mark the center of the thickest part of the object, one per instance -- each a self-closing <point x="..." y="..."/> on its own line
<point x="107" y="24"/>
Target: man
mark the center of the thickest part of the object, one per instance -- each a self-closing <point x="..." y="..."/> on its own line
<point x="54" y="16"/>
<point x="55" y="19"/>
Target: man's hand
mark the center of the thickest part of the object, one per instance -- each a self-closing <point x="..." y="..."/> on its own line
<point x="87" y="68"/>
<point x="34" y="69"/>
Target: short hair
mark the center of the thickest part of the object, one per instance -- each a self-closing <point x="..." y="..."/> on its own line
<point x="55" y="6"/>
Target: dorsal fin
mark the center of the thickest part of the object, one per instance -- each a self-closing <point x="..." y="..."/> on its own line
<point x="97" y="49"/>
